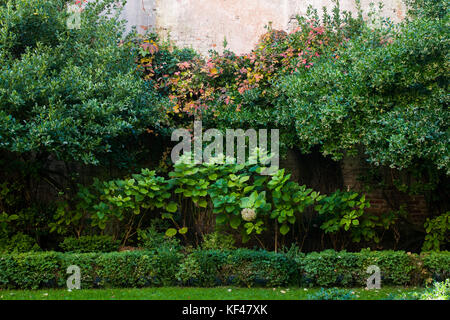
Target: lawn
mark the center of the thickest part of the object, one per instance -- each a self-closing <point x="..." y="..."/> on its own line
<point x="178" y="293"/>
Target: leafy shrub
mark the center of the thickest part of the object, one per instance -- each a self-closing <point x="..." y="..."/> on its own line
<point x="436" y="265"/>
<point x="345" y="210"/>
<point x="29" y="270"/>
<point x="167" y="262"/>
<point x="437" y="232"/>
<point x="218" y="241"/>
<point x="123" y="269"/>
<point x="426" y="8"/>
<point x="383" y="90"/>
<point x="89" y="268"/>
<point x="77" y="107"/>
<point x="248" y="267"/>
<point x="210" y="262"/>
<point x="332" y="294"/>
<point x="78" y="215"/>
<point x="230" y="88"/>
<point x="123" y="199"/>
<point x="86" y="244"/>
<point x="190" y="270"/>
<point x="245" y="267"/>
<point x="397" y="267"/>
<point x="293" y="252"/>
<point x="160" y="58"/>
<point x="226" y="189"/>
<point x="98" y="270"/>
<point x="70" y="95"/>
<point x="150" y="239"/>
<point x="130" y="270"/>
<point x="18" y="243"/>
<point x="439" y="291"/>
<point x="21" y="216"/>
<point x="330" y="268"/>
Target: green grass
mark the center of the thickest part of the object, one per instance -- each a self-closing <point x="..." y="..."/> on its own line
<point x="178" y="293"/>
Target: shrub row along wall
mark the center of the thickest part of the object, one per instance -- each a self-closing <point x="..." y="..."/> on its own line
<point x="240" y="267"/>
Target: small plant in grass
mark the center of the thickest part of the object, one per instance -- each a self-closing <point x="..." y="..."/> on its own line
<point x="440" y="291"/>
<point x="332" y="294"/>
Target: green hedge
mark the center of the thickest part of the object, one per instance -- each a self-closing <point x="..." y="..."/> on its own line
<point x="330" y="268"/>
<point x="243" y="267"/>
<point x="240" y="267"/>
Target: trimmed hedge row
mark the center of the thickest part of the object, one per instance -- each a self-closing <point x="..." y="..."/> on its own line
<point x="241" y="267"/>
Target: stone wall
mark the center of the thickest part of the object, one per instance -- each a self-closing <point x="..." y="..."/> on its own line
<point x="203" y="24"/>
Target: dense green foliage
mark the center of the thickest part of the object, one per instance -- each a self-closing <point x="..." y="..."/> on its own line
<point x="335" y="82"/>
<point x="437" y="232"/>
<point x="74" y="107"/>
<point x="68" y="96"/>
<point x="240" y="267"/>
<point x="236" y="194"/>
<point x="86" y="244"/>
<point x="440" y="291"/>
<point x="152" y="240"/>
<point x="336" y="86"/>
<point x="18" y="243"/>
<point x="218" y="241"/>
<point x="387" y="91"/>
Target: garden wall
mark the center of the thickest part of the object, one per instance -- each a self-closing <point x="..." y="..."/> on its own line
<point x="384" y="199"/>
<point x="203" y="24"/>
<point x="326" y="176"/>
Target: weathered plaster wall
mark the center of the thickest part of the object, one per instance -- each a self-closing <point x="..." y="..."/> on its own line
<point x="140" y="13"/>
<point x="203" y="24"/>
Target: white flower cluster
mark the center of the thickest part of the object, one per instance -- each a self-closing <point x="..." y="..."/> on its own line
<point x="248" y="214"/>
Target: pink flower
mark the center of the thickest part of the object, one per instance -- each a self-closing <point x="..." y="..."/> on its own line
<point x="319" y="30"/>
<point x="80" y="2"/>
<point x="183" y="65"/>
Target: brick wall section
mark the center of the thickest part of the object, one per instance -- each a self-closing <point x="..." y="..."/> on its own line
<point x="383" y="201"/>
